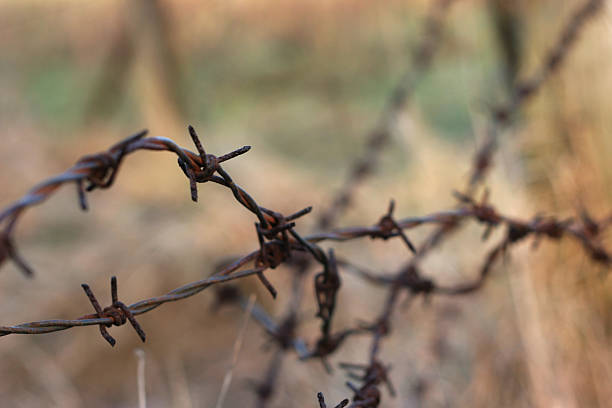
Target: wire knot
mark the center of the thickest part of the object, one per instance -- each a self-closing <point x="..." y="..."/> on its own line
<point x="327" y="284"/>
<point x="104" y="168"/>
<point x="202" y="169"/>
<point x="118" y="312"/>
<point x="278" y="248"/>
<point x="388" y="228"/>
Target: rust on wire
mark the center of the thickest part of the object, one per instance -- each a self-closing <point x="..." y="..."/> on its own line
<point x="118" y="312"/>
<point x="588" y="234"/>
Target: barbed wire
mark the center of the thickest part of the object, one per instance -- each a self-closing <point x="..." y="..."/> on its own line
<point x="364" y="166"/>
<point x="375" y="373"/>
<point x="276" y="247"/>
<point x="410" y="276"/>
<point x="281" y="244"/>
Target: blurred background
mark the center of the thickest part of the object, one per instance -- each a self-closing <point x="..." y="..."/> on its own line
<point x="303" y="82"/>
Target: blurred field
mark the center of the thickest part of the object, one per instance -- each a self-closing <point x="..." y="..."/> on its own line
<point x="302" y="82"/>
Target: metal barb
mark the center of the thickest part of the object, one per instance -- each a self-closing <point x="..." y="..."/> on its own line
<point x="118" y="313"/>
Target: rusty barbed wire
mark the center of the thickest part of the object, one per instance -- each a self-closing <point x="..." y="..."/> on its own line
<point x="585" y="231"/>
<point x="280" y="244"/>
<point x="501" y="116"/>
<point x="117" y="311"/>
<point x="377" y="139"/>
<point x="279" y="247"/>
<point x="409" y="277"/>
<point x="100" y="170"/>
